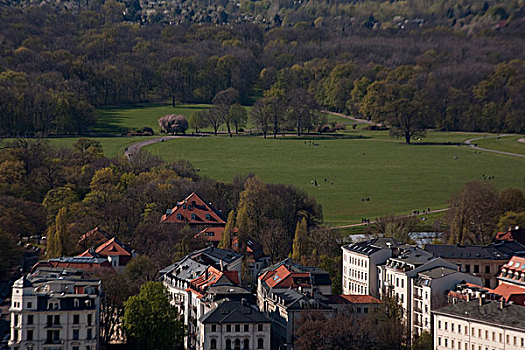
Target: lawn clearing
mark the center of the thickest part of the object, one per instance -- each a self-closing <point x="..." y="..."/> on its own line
<point x="397" y="178"/>
<point x="112" y="146"/>
<point x="504" y="143"/>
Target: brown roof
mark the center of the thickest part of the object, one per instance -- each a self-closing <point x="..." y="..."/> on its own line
<point x="193" y="211"/>
<point x="95" y="236"/>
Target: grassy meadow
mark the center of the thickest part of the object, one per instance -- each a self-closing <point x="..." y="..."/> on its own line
<point x="397" y="178"/>
<point x="358" y="164"/>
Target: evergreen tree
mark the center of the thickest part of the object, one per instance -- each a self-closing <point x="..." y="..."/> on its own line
<point x="61" y="234"/>
<point x="225" y="242"/>
<point x="300" y="240"/>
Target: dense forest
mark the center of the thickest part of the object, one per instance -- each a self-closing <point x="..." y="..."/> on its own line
<point x="460" y="67"/>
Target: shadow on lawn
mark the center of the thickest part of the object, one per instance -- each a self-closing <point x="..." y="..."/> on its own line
<point x="312" y="137"/>
<point x="437" y="144"/>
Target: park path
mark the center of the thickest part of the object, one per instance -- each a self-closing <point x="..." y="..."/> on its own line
<point x="364" y="121"/>
<point x="373" y="222"/>
<point x="469" y="143"/>
<point x="134" y="149"/>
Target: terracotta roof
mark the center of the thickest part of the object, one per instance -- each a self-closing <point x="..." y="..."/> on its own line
<point x="360" y="299"/>
<point x="211" y="277"/>
<point x="193" y="211"/>
<point x="211" y="234"/>
<point x="288" y="274"/>
<point x="113" y="247"/>
<point x="513" y="234"/>
<point x="95" y="236"/>
<point x="507" y="290"/>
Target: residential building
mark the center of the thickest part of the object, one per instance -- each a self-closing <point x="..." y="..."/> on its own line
<point x="117" y="253"/>
<point x="234" y="325"/>
<point x="55" y="311"/>
<point x="82" y="263"/>
<point x="284" y="307"/>
<point x="360" y="261"/>
<point x="254" y="256"/>
<point x="289" y="274"/>
<point x="479" y="325"/>
<point x="195" y="212"/>
<point x="429" y="292"/>
<point x="483" y="261"/>
<point x="177" y="277"/>
<point x="94" y="237"/>
<point x="355" y="305"/>
<point x="513" y="234"/>
<point x="512" y="281"/>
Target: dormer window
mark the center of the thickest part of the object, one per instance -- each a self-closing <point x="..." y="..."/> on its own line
<point x="193" y="216"/>
<point x="179" y="216"/>
<point x="76" y="303"/>
<point x="208" y="216"/>
<point x="184" y="206"/>
<point x="88" y="303"/>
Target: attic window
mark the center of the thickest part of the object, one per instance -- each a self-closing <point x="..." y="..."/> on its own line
<point x="184" y="206"/>
<point x="76" y="303"/>
<point x="208" y="216"/>
<point x="193" y="216"/>
<point x="179" y="216"/>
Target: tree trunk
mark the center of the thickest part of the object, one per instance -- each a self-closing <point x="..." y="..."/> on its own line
<point x="173" y="100"/>
<point x="407" y="137"/>
<point x="228" y="126"/>
<point x="298" y="127"/>
<point x="215" y="128"/>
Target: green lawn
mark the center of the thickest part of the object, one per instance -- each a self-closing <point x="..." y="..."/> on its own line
<point x="397" y="178"/>
<point x="506" y="144"/>
<point x="112" y="120"/>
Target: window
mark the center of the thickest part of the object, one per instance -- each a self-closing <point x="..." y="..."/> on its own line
<point x="75" y="348"/>
<point x="89" y="319"/>
<point x="214" y="328"/>
<point x="487" y="268"/>
<point x="76" y="319"/>
<point x="473" y="333"/>
<point x="476" y="268"/>
<point x="452" y="343"/>
<point x="208" y="216"/>
<point x="237" y="327"/>
<point x="213" y="344"/>
<point x="446" y="342"/>
<point x="29" y="305"/>
<point x="76" y="303"/>
<point x="402" y="283"/>
<point x="75" y="334"/>
<point x="439" y="341"/>
<point x="228" y="344"/>
<point x="246" y="328"/>
<point x="29" y="319"/>
<point x="260" y="327"/>
<point x="237" y="344"/>
<point x="228" y="328"/>
<point x="89" y="333"/>
<point x="57" y="319"/>
<point x="467" y="268"/>
<point x="493" y="336"/>
<point x="446" y="325"/>
<point x="49" y="320"/>
<point x="487" y="335"/>
<point x="193" y="216"/>
<point x="459" y="328"/>
<point x="501" y="338"/>
<point x="246" y="344"/>
<point x="260" y="343"/>
<point x="452" y="327"/>
<point x="439" y="324"/>
<point x="30" y="334"/>
<point x="365" y="310"/>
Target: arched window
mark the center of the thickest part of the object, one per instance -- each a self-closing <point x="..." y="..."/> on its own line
<point x="237" y="344"/>
<point x="213" y="344"/>
<point x="228" y="344"/>
<point x="246" y="344"/>
<point x="260" y="343"/>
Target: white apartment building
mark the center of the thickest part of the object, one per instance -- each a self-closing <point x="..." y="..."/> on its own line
<point x="479" y="325"/>
<point x="234" y="325"/>
<point x="429" y="291"/>
<point x="55" y="312"/>
<point x="360" y="262"/>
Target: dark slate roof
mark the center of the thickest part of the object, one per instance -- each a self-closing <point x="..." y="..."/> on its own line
<point x="234" y="312"/>
<point x="67" y="302"/>
<point x="490" y="312"/>
<point x="372" y="246"/>
<point x="413" y="255"/>
<point x="494" y="251"/>
<point x="438" y="272"/>
<point x="292" y="299"/>
<point x="212" y="255"/>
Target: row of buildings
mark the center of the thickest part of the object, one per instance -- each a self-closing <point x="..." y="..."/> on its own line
<point x="480" y="287"/>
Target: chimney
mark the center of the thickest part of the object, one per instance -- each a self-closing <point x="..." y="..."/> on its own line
<point x="502" y="303"/>
<point x="481" y="297"/>
<point x="468" y="297"/>
<point x="221" y="264"/>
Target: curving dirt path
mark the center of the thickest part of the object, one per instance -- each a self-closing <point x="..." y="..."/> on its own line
<point x="134" y="149"/>
<point x="364" y="121"/>
<point x="469" y="143"/>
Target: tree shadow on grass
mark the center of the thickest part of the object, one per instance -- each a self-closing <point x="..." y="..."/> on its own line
<point x="437" y="144"/>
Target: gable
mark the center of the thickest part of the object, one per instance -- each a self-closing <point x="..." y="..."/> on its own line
<point x="193" y="211"/>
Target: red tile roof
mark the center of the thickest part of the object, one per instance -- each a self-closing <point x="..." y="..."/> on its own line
<point x="507" y="290"/>
<point x="193" y="211"/>
<point x="210" y="277"/>
<point x="211" y="234"/>
<point x="360" y="299"/>
<point x="94" y="237"/>
<point x="113" y="248"/>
